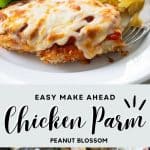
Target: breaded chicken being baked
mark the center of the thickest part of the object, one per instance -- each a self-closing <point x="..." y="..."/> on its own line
<point x="59" y="31"/>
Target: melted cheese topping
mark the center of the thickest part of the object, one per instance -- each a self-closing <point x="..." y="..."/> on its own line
<point x="42" y="23"/>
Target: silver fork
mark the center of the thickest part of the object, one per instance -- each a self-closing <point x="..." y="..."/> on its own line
<point x="133" y="34"/>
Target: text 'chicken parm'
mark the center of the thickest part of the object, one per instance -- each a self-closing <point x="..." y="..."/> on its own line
<point x="61" y="30"/>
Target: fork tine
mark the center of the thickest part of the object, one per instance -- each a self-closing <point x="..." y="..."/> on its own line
<point x="126" y="31"/>
<point x="145" y="32"/>
<point x="131" y="33"/>
<point x="135" y="35"/>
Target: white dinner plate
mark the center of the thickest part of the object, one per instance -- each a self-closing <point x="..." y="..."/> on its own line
<point x="26" y="69"/>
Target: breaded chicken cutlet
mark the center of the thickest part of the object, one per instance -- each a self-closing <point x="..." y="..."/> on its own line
<point x="60" y="31"/>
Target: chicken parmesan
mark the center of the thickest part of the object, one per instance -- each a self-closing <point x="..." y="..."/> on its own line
<point x="59" y="31"/>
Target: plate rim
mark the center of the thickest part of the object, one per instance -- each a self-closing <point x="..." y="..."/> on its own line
<point x="145" y="76"/>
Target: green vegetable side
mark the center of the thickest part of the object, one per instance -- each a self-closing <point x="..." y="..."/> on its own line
<point x="4" y="3"/>
<point x="132" y="6"/>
